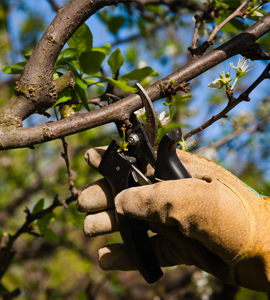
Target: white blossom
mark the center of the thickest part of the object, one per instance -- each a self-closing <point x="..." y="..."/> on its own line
<point x="163" y="119"/>
<point x="243" y="67"/>
<point x="220" y="82"/>
<point x="187" y="144"/>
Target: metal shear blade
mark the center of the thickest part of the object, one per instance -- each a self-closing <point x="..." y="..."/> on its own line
<point x="151" y="125"/>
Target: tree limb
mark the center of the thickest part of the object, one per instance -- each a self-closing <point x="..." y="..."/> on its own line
<point x="259" y="126"/>
<point x="13" y="137"/>
<point x="200" y="50"/>
<point x="231" y="104"/>
<point x="36" y="88"/>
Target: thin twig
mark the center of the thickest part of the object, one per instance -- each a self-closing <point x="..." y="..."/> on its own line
<point x="199" y="20"/>
<point x="72" y="188"/>
<point x="231" y="104"/>
<point x="236" y="13"/>
<point x="7" y="253"/>
<point x="233" y="135"/>
<point x="55" y="7"/>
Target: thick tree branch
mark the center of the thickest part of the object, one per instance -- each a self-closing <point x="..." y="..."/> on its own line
<point x="36" y="88"/>
<point x="26" y="137"/>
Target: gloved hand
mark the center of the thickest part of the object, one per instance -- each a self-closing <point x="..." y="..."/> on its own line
<point x="213" y="214"/>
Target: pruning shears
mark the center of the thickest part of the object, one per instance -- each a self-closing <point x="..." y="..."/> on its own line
<point x="123" y="169"/>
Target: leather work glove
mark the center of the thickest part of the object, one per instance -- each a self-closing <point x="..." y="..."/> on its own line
<point x="212" y="221"/>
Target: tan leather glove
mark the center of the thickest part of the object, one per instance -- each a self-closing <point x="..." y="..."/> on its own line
<point x="195" y="220"/>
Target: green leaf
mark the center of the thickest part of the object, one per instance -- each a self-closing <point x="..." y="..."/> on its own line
<point x="38" y="207"/>
<point x="157" y="9"/>
<point x="49" y="234"/>
<point x="116" y="83"/>
<point x="115" y="24"/>
<point x="167" y="103"/>
<point x="91" y="61"/>
<point x="26" y="56"/>
<point x="73" y="69"/>
<point x="253" y="15"/>
<point x="171" y="107"/>
<point x="228" y="28"/>
<point x="46" y="220"/>
<point x="106" y="49"/>
<point x="182" y="98"/>
<point x="82" y="39"/>
<point x="239" y="24"/>
<point x="76" y="65"/>
<point x="221" y="5"/>
<point x="94" y="82"/>
<point x="63" y="97"/>
<point x="142" y="28"/>
<point x="79" y="88"/>
<point x="66" y="56"/>
<point x="116" y="60"/>
<point x="139" y="74"/>
<point x="14" y="69"/>
<point x="55" y="76"/>
<point x="120" y="85"/>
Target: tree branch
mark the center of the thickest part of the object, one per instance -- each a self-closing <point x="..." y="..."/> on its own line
<point x="72" y="188"/>
<point x="259" y="126"/>
<point x="200" y="50"/>
<point x="54" y="5"/>
<point x="231" y="104"/>
<point x="6" y="253"/>
<point x="13" y="137"/>
<point x="36" y="88"/>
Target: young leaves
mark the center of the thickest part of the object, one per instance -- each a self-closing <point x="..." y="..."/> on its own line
<point x="14" y="69"/>
<point x="38" y="207"/>
<point x="66" y="56"/>
<point x="139" y="74"/>
<point x="82" y="39"/>
<point x="91" y="61"/>
<point x="44" y="222"/>
<point x="115" y="61"/>
<point x="45" y="230"/>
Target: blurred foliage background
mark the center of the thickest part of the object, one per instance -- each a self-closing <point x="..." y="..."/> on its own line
<point x="154" y="35"/>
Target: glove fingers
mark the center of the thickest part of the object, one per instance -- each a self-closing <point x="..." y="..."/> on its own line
<point x="206" y="210"/>
<point x="93" y="156"/>
<point x="96" y="196"/>
<point x="100" y="223"/>
<point x="116" y="257"/>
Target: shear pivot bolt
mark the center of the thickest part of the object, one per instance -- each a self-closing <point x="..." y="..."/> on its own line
<point x="133" y="139"/>
<point x="117" y="168"/>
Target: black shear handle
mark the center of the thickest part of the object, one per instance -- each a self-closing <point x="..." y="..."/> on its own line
<point x="168" y="166"/>
<point x="116" y="168"/>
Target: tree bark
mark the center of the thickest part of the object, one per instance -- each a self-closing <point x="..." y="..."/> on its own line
<point x="39" y="77"/>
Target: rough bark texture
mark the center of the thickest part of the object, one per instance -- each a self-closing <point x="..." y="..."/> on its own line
<point x="36" y="88"/>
